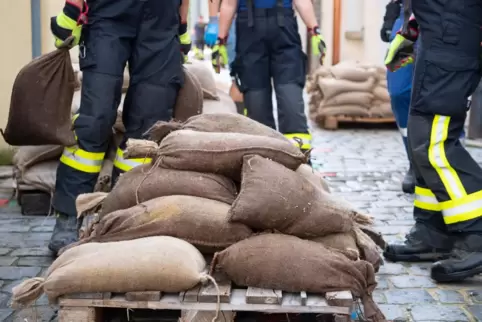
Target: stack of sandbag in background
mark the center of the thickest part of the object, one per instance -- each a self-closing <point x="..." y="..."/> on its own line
<point x="348" y="89"/>
<point x="229" y="186"/>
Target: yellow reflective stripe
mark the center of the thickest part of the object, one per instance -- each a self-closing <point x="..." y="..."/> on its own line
<point x="424" y="192"/>
<point x="245" y="111"/>
<point x="426" y="205"/>
<point x="82" y="160"/>
<point x="304" y="137"/>
<point x="463" y="209"/>
<point x="128" y="164"/>
<point x="73" y="120"/>
<point x="438" y="159"/>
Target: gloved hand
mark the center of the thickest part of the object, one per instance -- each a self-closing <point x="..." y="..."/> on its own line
<point x="211" y="33"/>
<point x="401" y="53"/>
<point x="185" y="39"/>
<point x="69" y="23"/>
<point x="392" y="11"/>
<point x="318" y="45"/>
<point x="219" y="55"/>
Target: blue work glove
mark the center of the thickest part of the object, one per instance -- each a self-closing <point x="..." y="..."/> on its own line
<point x="211" y="34"/>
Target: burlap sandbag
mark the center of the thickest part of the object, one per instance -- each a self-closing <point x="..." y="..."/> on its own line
<point x="27" y="156"/>
<point x="148" y="264"/>
<point x="344" y="243"/>
<point x="223" y="152"/>
<point x="189" y="100"/>
<point x="354" y="74"/>
<point x="331" y="87"/>
<point x="351" y="98"/>
<point x="41" y="102"/>
<point x="206" y="79"/>
<point x="225" y="104"/>
<point x="382" y="110"/>
<point x="314" y="177"/>
<point x="146" y="182"/>
<point x="291" y="264"/>
<point x="369" y="250"/>
<point x="381" y="93"/>
<point x="219" y="122"/>
<point x="348" y="110"/>
<point x="275" y="197"/>
<point x="42" y="176"/>
<point x="199" y="221"/>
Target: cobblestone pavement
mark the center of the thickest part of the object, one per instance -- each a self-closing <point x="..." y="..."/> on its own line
<point x="363" y="166"/>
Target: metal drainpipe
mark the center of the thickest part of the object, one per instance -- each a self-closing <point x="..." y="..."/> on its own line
<point x="36" y="28"/>
<point x="336" y="31"/>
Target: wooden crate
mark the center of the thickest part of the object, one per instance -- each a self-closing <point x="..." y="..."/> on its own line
<point x="332" y="122"/>
<point x="200" y="303"/>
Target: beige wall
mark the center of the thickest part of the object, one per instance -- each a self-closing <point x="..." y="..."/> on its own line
<point x="16" y="49"/>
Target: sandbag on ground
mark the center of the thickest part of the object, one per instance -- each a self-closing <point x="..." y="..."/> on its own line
<point x="225" y="104"/>
<point x="344" y="243"/>
<point x="314" y="177"/>
<point x="148" y="264"/>
<point x="189" y="100"/>
<point x="219" y="122"/>
<point x="291" y="264"/>
<point x="206" y="79"/>
<point x="27" y="156"/>
<point x="274" y="197"/>
<point x="146" y="182"/>
<point x="201" y="222"/>
<point x="217" y="152"/>
<point x="42" y="176"/>
<point x="41" y="102"/>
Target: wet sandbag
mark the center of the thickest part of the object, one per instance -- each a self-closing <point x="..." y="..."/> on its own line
<point x="146" y="182"/>
<point x="274" y="197"/>
<point x="148" y="264"/>
<point x="199" y="221"/>
<point x="223" y="152"/>
<point x="41" y="102"/>
<point x="344" y="243"/>
<point x="189" y="100"/>
<point x="206" y="79"/>
<point x="314" y="177"/>
<point x="218" y="122"/>
<point x="27" y="156"/>
<point x="291" y="264"/>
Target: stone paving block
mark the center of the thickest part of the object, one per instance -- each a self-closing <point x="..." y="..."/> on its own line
<point x="407" y="281"/>
<point x="382" y="283"/>
<point x="393" y="312"/>
<point x="14" y="228"/>
<point x="38" y="313"/>
<point x="4" y="299"/>
<point x="379" y="297"/>
<point x="420" y="269"/>
<point x="15" y="273"/>
<point x="7" y="261"/>
<point x="32" y="251"/>
<point x="438" y="313"/>
<point x="405" y="296"/>
<point x="5" y="313"/>
<point x="5" y="251"/>
<point x="8" y="287"/>
<point x="449" y="296"/>
<point x="476" y="311"/>
<point x="20" y="240"/>
<point x="49" y="228"/>
<point x="40" y="261"/>
<point x="394" y="230"/>
<point x="392" y="269"/>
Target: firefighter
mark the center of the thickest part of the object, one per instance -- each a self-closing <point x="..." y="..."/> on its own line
<point x="268" y="47"/>
<point x="199" y="31"/>
<point x="149" y="35"/>
<point x="448" y="193"/>
<point x="210" y="39"/>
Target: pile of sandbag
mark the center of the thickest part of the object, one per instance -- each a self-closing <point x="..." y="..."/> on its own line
<point x="228" y="186"/>
<point x="349" y="89"/>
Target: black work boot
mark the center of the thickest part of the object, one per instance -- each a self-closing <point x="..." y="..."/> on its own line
<point x="464" y="262"/>
<point x="408" y="183"/>
<point x="65" y="232"/>
<point x="416" y="249"/>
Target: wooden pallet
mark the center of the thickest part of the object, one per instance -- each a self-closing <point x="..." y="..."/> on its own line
<point x="332" y="122"/>
<point x="200" y="303"/>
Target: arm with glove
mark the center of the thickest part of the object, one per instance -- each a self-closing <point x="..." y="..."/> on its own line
<point x="401" y="50"/>
<point x="67" y="25"/>
<point x="307" y="13"/>
<point x="220" y="52"/>
<point x="392" y="11"/>
<point x="211" y="34"/>
<point x="184" y="36"/>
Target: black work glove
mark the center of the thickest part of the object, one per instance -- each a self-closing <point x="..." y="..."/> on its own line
<point x="392" y="11"/>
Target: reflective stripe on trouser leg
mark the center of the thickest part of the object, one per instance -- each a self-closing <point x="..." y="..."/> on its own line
<point x="81" y="160"/>
<point x="302" y="140"/>
<point x="426" y="200"/>
<point x="438" y="158"/>
<point x="128" y="164"/>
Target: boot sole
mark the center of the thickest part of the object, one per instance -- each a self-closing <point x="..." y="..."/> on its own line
<point x="432" y="257"/>
<point x="456" y="276"/>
